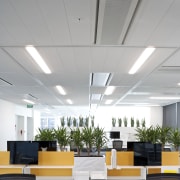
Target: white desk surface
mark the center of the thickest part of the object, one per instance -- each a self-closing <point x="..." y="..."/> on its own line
<point x="12" y="166"/>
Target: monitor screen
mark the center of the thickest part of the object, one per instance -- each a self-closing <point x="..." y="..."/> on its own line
<point x="23" y="152"/>
<point x="145" y="153"/>
<point x="115" y="134"/>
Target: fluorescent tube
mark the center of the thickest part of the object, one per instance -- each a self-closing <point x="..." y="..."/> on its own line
<point x="109" y="90"/>
<point x="61" y="90"/>
<point x="38" y="59"/>
<point x="28" y="101"/>
<point x="141" y="60"/>
<point x="69" y="101"/>
<point x="165" y="98"/>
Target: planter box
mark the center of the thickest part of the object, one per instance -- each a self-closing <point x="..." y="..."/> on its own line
<point x="90" y="165"/>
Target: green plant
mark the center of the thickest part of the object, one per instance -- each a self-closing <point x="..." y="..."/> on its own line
<point x="62" y="120"/>
<point x="92" y="121"/>
<point x="125" y="120"/>
<point x="77" y="139"/>
<point x="81" y="121"/>
<point x="119" y="122"/>
<point x="132" y="121"/>
<point x="174" y="138"/>
<point x="143" y="122"/>
<point x="62" y="137"/>
<point x="87" y="121"/>
<point x="137" y="123"/>
<point x="74" y="122"/>
<point x="100" y="138"/>
<point x="163" y="135"/>
<point x="141" y="134"/>
<point x="45" y="135"/>
<point x="69" y="121"/>
<point x="113" y="122"/>
<point x="147" y="134"/>
<point x="152" y="135"/>
<point x="88" y="138"/>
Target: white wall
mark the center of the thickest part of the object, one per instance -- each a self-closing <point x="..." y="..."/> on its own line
<point x="8" y="117"/>
<point x="7" y="123"/>
<point x="152" y="115"/>
<point x="156" y="116"/>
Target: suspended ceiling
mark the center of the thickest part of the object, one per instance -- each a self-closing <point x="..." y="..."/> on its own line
<point x="78" y="38"/>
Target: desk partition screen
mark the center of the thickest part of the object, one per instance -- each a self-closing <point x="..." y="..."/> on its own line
<point x="163" y="176"/>
<point x="17" y="177"/>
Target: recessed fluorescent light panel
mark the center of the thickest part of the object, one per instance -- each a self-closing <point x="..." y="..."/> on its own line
<point x="100" y="79"/>
<point x="69" y="101"/>
<point x="28" y="101"/>
<point x="165" y="98"/>
<point x="109" y="90"/>
<point x="38" y="59"/>
<point x="61" y="90"/>
<point x="96" y="96"/>
<point x="141" y="60"/>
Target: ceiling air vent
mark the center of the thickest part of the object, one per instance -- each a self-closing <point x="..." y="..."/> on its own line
<point x="114" y="20"/>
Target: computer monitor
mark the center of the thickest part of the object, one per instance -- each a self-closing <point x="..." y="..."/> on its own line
<point x="23" y="152"/>
<point x="115" y="134"/>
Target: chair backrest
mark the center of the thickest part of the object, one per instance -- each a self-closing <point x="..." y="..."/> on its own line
<point x="163" y="176"/>
<point x="17" y="177"/>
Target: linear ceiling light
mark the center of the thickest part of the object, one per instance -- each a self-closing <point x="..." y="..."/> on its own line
<point x="61" y="90"/>
<point x="141" y="60"/>
<point x="165" y="98"/>
<point x="28" y="101"/>
<point x="69" y="101"/>
<point x="38" y="59"/>
<point x="109" y="90"/>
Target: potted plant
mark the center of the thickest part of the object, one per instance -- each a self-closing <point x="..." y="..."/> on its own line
<point x="45" y="135"/>
<point x="92" y="121"/>
<point x="152" y="135"/>
<point x="62" y="137"/>
<point x="132" y="121"/>
<point x="74" y="122"/>
<point x="77" y="140"/>
<point x="163" y="135"/>
<point x="174" y="138"/>
<point x="69" y="121"/>
<point x="141" y="134"/>
<point x="113" y="122"/>
<point x="137" y="123"/>
<point x="100" y="138"/>
<point x="125" y="121"/>
<point x="81" y="121"/>
<point x="143" y="122"/>
<point x="87" y="122"/>
<point x="88" y="138"/>
<point x="62" y="121"/>
<point x="119" y="122"/>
